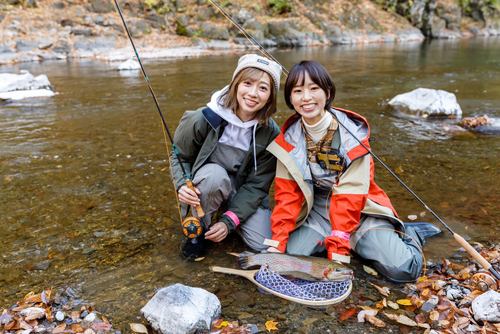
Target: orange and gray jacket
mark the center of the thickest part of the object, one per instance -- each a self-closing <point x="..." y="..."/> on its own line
<point x="353" y="193"/>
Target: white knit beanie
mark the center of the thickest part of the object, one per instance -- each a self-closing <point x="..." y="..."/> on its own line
<point x="270" y="67"/>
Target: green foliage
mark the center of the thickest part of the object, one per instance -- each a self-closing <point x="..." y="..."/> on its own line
<point x="280" y="6"/>
<point x="152" y="3"/>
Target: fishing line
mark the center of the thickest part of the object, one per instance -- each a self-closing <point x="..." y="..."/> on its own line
<point x="481" y="260"/>
<point x="165" y="127"/>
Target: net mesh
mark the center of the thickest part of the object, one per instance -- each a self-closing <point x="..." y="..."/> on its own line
<point x="302" y="289"/>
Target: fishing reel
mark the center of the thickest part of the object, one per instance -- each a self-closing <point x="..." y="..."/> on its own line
<point x="484" y="281"/>
<point x="191" y="227"/>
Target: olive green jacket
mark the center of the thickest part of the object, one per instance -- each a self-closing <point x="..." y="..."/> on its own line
<point x="196" y="138"/>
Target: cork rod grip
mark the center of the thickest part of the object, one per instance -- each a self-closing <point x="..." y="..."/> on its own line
<point x="481" y="260"/>
<point x="199" y="210"/>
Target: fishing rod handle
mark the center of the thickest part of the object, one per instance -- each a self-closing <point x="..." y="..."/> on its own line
<point x="481" y="260"/>
<point x="199" y="210"/>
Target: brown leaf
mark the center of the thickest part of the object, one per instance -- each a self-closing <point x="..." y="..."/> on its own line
<point x="90" y="309"/>
<point x="455" y="266"/>
<point x="374" y="320"/>
<point x="104" y="319"/>
<point x="420" y="318"/>
<point x="22" y="307"/>
<point x="347" y="314"/>
<point x="475" y="294"/>
<point x="380" y="305"/>
<point x="66" y="307"/>
<point x="101" y="326"/>
<point x="47" y="297"/>
<point x="75" y="315"/>
<point x="11" y="325"/>
<point x="59" y="329"/>
<point x="404" y="329"/>
<point x="33" y="323"/>
<point x="384" y="291"/>
<point x="140" y="328"/>
<point x="462" y="322"/>
<point x="434" y="315"/>
<point x="400" y="319"/>
<point x="35" y="314"/>
<point x="77" y="328"/>
<point x="33" y="299"/>
<point x="49" y="315"/>
<point x="464" y="273"/>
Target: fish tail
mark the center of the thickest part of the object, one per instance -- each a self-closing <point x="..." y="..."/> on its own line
<point x="245" y="259"/>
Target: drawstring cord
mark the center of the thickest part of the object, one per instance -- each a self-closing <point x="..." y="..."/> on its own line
<point x="254" y="149"/>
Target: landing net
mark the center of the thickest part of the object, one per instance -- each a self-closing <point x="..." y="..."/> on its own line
<point x="299" y="288"/>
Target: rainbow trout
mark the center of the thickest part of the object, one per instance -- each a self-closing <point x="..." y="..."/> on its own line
<point x="305" y="267"/>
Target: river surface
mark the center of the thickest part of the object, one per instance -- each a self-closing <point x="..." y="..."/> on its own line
<point x="85" y="182"/>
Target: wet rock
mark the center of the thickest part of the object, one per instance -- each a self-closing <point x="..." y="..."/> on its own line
<point x="99" y="20"/>
<point x="214" y="31"/>
<point x="84" y="314"/>
<point x="171" y="310"/>
<point x="94" y="44"/>
<point x="6" y="49"/>
<point x="58" y="5"/>
<point x="25" y="46"/>
<point x="90" y="317"/>
<point x="61" y="46"/>
<point x="45" y="43"/>
<point x="285" y="33"/>
<point x="142" y="27"/>
<point x="101" y="6"/>
<point x="204" y="14"/>
<point x="486" y="307"/>
<point x="43" y="265"/>
<point x="157" y="21"/>
<point x="130" y="64"/>
<point x="59" y="316"/>
<point x="67" y="23"/>
<point x="430" y="304"/>
<point x="427" y="102"/>
<point x="453" y="294"/>
<point x="84" y="32"/>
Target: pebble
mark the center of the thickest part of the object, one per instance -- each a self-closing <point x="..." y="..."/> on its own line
<point x="454" y="294"/>
<point x="84" y="314"/>
<point x="59" y="316"/>
<point x="90" y="318"/>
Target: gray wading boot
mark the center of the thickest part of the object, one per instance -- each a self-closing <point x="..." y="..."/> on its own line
<point x="424" y="230"/>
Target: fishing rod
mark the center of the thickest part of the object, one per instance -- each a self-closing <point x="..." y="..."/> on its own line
<point x="191" y="227"/>
<point x="481" y="260"/>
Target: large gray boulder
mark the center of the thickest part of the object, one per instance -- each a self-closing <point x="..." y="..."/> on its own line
<point x="486" y="307"/>
<point x="427" y="102"/>
<point x="180" y="309"/>
<point x="25" y="81"/>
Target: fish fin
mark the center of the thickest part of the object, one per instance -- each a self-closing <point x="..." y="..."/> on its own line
<point x="245" y="260"/>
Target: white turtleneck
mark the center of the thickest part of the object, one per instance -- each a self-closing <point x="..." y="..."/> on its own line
<point x="318" y="130"/>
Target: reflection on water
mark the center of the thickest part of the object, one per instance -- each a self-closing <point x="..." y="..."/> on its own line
<point x="85" y="182"/>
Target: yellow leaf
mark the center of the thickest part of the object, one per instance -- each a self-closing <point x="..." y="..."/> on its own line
<point x="421" y="279"/>
<point x="223" y="324"/>
<point x="405" y="302"/>
<point x="271" y="325"/>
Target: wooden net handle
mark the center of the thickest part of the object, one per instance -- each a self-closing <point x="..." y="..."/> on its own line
<point x="199" y="210"/>
<point x="481" y="260"/>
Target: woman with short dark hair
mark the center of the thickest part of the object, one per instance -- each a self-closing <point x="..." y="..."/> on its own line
<point x="326" y="197"/>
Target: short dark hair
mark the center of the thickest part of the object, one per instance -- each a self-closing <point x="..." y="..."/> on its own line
<point x="230" y="101"/>
<point x="319" y="75"/>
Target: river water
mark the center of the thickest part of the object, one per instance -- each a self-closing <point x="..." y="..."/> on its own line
<point x="85" y="182"/>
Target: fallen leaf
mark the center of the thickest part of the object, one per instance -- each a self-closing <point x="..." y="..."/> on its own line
<point x="49" y="315"/>
<point x="77" y="328"/>
<point x="59" y="329"/>
<point x="222" y="324"/>
<point x="362" y="314"/>
<point x="412" y="217"/>
<point x="380" y="305"/>
<point x="392" y="305"/>
<point x="370" y="270"/>
<point x="105" y="320"/>
<point x="375" y="321"/>
<point x="405" y="302"/>
<point x="101" y="326"/>
<point x="198" y="259"/>
<point x="35" y="314"/>
<point x="347" y="314"/>
<point x="75" y="315"/>
<point x="421" y="279"/>
<point x="420" y="318"/>
<point x="271" y="325"/>
<point x="404" y="329"/>
<point x="434" y="315"/>
<point x="139" y="328"/>
<point x="89" y="331"/>
<point x="384" y="291"/>
<point x="47" y="296"/>
<point x="401" y="319"/>
<point x="410" y="308"/>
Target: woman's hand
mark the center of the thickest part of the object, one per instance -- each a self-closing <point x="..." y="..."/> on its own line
<point x="273" y="250"/>
<point x="217" y="232"/>
<point x="188" y="196"/>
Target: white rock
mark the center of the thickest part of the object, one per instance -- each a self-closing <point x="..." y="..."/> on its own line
<point x="24" y="94"/>
<point x="453" y="294"/>
<point x="486" y="307"/>
<point x="24" y="81"/>
<point x="90" y="317"/>
<point x="39" y="329"/>
<point x="430" y="102"/>
<point x="362" y="313"/>
<point x="180" y="309"/>
<point x="131" y="64"/>
<point x="28" y="310"/>
<point x="59" y="316"/>
<point x="26" y="331"/>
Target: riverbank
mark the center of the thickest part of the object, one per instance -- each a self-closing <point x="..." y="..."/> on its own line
<point x="39" y="30"/>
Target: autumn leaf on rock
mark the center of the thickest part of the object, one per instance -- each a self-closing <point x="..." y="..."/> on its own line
<point x="101" y="326"/>
<point x="271" y="325"/>
<point x="59" y="329"/>
<point x="384" y="291"/>
<point x="401" y="319"/>
<point x="347" y="314"/>
<point x="49" y="315"/>
<point x="434" y="315"/>
<point x="404" y="302"/>
<point x="75" y="315"/>
<point x="222" y="324"/>
<point x="375" y="321"/>
<point x="47" y="297"/>
<point x="105" y="320"/>
<point x="77" y="328"/>
<point x="393" y="305"/>
<point x="139" y="328"/>
<point x="35" y="314"/>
